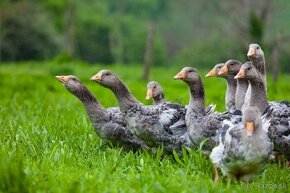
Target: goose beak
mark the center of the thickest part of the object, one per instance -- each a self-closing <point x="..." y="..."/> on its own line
<point x="180" y="76"/>
<point x="96" y="77"/>
<point x="62" y="79"/>
<point x="241" y="74"/>
<point x="149" y="94"/>
<point x="224" y="70"/>
<point x="251" y="52"/>
<point x="250" y="128"/>
<point x="211" y="73"/>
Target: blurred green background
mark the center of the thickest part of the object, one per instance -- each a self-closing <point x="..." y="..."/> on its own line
<point x="152" y="32"/>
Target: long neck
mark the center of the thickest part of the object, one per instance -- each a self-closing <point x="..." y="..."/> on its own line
<point x="159" y="99"/>
<point x="230" y="92"/>
<point x="95" y="110"/>
<point x="242" y="87"/>
<point x="123" y="95"/>
<point x="196" y="102"/>
<point x="258" y="95"/>
<point x="259" y="63"/>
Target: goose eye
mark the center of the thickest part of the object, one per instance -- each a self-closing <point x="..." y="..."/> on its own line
<point x="249" y="68"/>
<point x="232" y="64"/>
<point x="258" y="47"/>
<point x="107" y="73"/>
<point x="154" y="87"/>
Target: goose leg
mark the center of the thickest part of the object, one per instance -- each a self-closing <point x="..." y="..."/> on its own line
<point x="216" y="174"/>
<point x="279" y="159"/>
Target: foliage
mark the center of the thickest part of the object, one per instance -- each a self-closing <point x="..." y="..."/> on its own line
<point x="110" y="31"/>
<point x="27" y="33"/>
<point x="256" y="28"/>
<point x="201" y="55"/>
<point x="93" y="43"/>
<point x="49" y="145"/>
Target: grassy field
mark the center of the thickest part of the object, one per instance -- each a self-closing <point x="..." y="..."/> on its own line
<point x="47" y="143"/>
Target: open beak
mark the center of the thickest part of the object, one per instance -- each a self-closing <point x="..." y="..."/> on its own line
<point x="251" y="52"/>
<point x="224" y="70"/>
<point x="62" y="79"/>
<point x="97" y="77"/>
<point x="250" y="128"/>
<point x="211" y="73"/>
<point x="241" y="74"/>
<point x="149" y="94"/>
<point x="180" y="76"/>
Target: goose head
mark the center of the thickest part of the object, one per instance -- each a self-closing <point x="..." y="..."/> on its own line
<point x="71" y="82"/>
<point x="188" y="75"/>
<point x="231" y="67"/>
<point x="255" y="52"/>
<point x="248" y="71"/>
<point x="105" y="78"/>
<point x="153" y="90"/>
<point x="215" y="71"/>
<point x="251" y="119"/>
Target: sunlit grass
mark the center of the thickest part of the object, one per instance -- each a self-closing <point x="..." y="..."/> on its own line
<point x="47" y="143"/>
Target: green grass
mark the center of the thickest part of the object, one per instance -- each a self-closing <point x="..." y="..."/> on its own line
<point x="47" y="143"/>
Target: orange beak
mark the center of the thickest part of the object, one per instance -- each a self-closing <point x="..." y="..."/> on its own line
<point x="241" y="74"/>
<point x="62" y="79"/>
<point x="250" y="128"/>
<point x="211" y="73"/>
<point x="97" y="77"/>
<point x="150" y="94"/>
<point x="251" y="52"/>
<point x="224" y="70"/>
<point x="180" y="76"/>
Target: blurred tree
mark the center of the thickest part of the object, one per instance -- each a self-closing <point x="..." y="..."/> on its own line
<point x="151" y="32"/>
<point x="117" y="10"/>
<point x="64" y="13"/>
<point x="154" y="10"/>
<point x="130" y="24"/>
<point x="251" y="19"/>
<point x="93" y="42"/>
<point x="92" y="35"/>
<point x="276" y="52"/>
<point x="70" y="27"/>
<point x="148" y="58"/>
<point x="27" y="32"/>
<point x="256" y="28"/>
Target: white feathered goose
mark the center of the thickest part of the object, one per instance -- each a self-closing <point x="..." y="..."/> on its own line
<point x="276" y="118"/>
<point x="108" y="123"/>
<point x="231" y="85"/>
<point x="232" y="67"/>
<point x="149" y="123"/>
<point x="245" y="150"/>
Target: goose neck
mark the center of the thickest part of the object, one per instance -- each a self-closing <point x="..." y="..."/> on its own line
<point x="242" y="87"/>
<point x="95" y="110"/>
<point x="159" y="99"/>
<point x="258" y="95"/>
<point x="197" y="97"/>
<point x="124" y="97"/>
